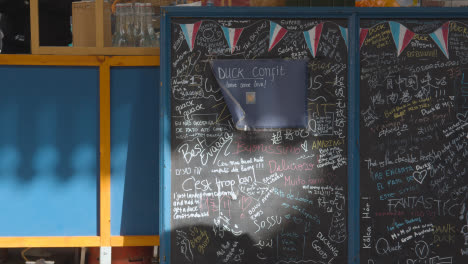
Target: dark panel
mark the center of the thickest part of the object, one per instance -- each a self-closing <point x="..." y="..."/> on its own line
<point x="414" y="151"/>
<point x="291" y="2"/>
<point x="321" y="3"/>
<point x="349" y="3"/>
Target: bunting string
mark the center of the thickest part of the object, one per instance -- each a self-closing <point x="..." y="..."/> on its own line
<point x="401" y="35"/>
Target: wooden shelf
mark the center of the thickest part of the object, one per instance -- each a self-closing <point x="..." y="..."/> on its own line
<point x="131" y="241"/>
<point x="116" y="241"/>
<point x="75" y="60"/>
<point x="21" y="242"/>
<point x="86" y="51"/>
<point x="82" y="51"/>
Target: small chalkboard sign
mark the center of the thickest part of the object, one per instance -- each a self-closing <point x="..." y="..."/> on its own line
<point x="264" y="94"/>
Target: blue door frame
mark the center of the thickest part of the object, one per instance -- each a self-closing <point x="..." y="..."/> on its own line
<point x="353" y="15"/>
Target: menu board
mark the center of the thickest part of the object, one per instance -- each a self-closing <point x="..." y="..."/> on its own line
<point x="414" y="141"/>
<point x="263" y="181"/>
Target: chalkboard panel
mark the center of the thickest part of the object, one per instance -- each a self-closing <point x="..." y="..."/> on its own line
<point x="414" y="154"/>
<point x="258" y="196"/>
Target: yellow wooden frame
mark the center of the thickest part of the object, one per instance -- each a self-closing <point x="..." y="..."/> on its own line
<point x="74" y="60"/>
<point x="105" y="157"/>
<point x="132" y="241"/>
<point x="20" y="242"/>
<point x="104" y="239"/>
<point x="85" y="51"/>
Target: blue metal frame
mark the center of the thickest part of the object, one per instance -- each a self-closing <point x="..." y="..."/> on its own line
<point x="353" y="15"/>
<point x="165" y="142"/>
<point x="353" y="138"/>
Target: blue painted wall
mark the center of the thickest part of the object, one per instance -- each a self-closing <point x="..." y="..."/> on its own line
<point x="134" y="155"/>
<point x="48" y="151"/>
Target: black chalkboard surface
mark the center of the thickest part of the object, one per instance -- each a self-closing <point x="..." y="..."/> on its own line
<point x="414" y="118"/>
<point x="258" y="196"/>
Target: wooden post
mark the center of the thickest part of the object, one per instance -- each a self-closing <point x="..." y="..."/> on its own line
<point x="105" y="155"/>
<point x="105" y="149"/>
<point x="34" y="20"/>
<point x="100" y="23"/>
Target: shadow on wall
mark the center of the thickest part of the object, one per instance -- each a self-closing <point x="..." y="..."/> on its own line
<point x="135" y="162"/>
<point x="49" y="125"/>
<point x="49" y="150"/>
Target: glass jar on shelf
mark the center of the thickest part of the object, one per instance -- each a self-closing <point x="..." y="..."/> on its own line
<point x="135" y="25"/>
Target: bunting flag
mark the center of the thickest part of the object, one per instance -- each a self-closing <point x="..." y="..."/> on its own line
<point x="190" y="33"/>
<point x="362" y="36"/>
<point x="401" y="36"/>
<point x="277" y="32"/>
<point x="232" y="35"/>
<point x="440" y="37"/>
<point x="344" y="34"/>
<point x="312" y="38"/>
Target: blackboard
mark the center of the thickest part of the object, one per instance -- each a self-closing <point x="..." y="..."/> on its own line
<point x="257" y="196"/>
<point x="414" y="161"/>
